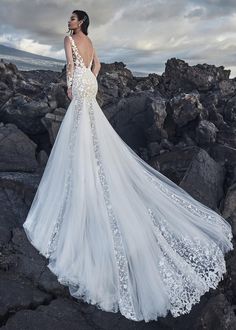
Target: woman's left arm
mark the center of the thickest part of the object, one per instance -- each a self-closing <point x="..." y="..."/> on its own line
<point x="69" y="65"/>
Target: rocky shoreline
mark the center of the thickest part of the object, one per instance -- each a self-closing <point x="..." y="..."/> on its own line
<point x="182" y="122"/>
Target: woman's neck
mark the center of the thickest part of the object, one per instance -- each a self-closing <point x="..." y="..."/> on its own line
<point x="78" y="32"/>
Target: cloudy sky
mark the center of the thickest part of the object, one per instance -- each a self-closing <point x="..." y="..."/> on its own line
<point x="142" y="34"/>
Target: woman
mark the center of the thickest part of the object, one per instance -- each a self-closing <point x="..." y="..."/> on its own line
<point x="120" y="234"/>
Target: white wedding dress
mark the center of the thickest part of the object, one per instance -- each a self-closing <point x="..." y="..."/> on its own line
<point x="117" y="232"/>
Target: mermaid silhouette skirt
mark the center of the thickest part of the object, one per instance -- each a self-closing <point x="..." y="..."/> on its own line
<point x="117" y="232"/>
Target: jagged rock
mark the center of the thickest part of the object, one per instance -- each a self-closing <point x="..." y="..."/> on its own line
<point x="196" y="172"/>
<point x="150" y="83"/>
<point x="204" y="180"/>
<point x="186" y="107"/>
<point x="43" y="77"/>
<point x="227" y="136"/>
<point x="52" y="121"/>
<point x="227" y="87"/>
<point x="115" y="81"/>
<point x="25" y="113"/>
<point x="230" y="202"/>
<point x="138" y="118"/>
<point x="8" y="218"/>
<point x="42" y="158"/>
<point x="19" y="293"/>
<point x="167" y="145"/>
<point x="226" y="156"/>
<point x="217" y="314"/>
<point x="115" y="67"/>
<point x="179" y="76"/>
<point x="57" y="96"/>
<point x="206" y="132"/>
<point x="212" y="104"/>
<point x="30" y="89"/>
<point x="229" y="209"/>
<point x="230" y="110"/>
<point x="5" y="94"/>
<point x="20" y="257"/>
<point x="154" y="134"/>
<point x="16" y="193"/>
<point x="9" y="74"/>
<point x="232" y="268"/>
<point x="175" y="163"/>
<point x="216" y="118"/>
<point x="29" y="263"/>
<point x="17" y="151"/>
<point x="130" y="118"/>
<point x="60" y="314"/>
<point x="154" y="149"/>
<point x="158" y="106"/>
<point x="25" y="183"/>
<point x="187" y="141"/>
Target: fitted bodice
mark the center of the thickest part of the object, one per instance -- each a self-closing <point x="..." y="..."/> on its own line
<point x="84" y="81"/>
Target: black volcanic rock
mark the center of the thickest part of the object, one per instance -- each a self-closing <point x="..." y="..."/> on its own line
<point x="229" y="110"/>
<point x="179" y="76"/>
<point x="182" y="123"/>
<point x="226" y="136"/>
<point x="26" y="113"/>
<point x="17" y="151"/>
<point x="204" y="179"/>
<point x="206" y="132"/>
<point x="186" y="107"/>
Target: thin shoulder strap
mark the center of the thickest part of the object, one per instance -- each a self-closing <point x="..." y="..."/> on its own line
<point x="71" y="39"/>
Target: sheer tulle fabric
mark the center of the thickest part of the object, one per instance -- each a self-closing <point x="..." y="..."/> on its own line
<point x="120" y="234"/>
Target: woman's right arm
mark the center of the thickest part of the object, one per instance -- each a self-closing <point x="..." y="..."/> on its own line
<point x="69" y="66"/>
<point x="97" y="65"/>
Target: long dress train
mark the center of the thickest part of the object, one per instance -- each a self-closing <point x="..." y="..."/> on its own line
<point x="117" y="232"/>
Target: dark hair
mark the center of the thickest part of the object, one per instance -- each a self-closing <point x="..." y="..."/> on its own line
<point x="82" y="15"/>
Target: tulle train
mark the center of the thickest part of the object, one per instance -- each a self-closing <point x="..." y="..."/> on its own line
<point x="120" y="234"/>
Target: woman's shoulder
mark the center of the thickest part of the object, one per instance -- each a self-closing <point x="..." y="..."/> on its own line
<point x="67" y="39"/>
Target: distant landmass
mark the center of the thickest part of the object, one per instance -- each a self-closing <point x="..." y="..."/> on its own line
<point x="29" y="61"/>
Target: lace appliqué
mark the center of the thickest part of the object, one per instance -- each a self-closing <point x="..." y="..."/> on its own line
<point x="68" y="183"/>
<point x="188" y="267"/>
<point x="84" y="84"/>
<point x="125" y="301"/>
<point x="210" y="218"/>
<point x="69" y="74"/>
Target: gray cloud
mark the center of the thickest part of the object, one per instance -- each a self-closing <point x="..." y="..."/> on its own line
<point x="216" y="8"/>
<point x="141" y="34"/>
<point x="197" y="12"/>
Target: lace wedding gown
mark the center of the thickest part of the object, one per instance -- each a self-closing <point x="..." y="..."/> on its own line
<point x="117" y="232"/>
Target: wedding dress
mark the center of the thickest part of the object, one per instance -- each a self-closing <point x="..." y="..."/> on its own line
<point x="117" y="232"/>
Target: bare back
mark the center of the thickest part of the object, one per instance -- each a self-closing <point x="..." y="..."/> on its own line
<point x="85" y="48"/>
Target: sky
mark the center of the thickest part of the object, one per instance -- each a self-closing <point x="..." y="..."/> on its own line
<point x="142" y="34"/>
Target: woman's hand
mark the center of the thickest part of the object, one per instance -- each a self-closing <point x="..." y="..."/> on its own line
<point x="69" y="93"/>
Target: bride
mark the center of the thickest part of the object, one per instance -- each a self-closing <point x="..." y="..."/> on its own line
<point x="118" y="233"/>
